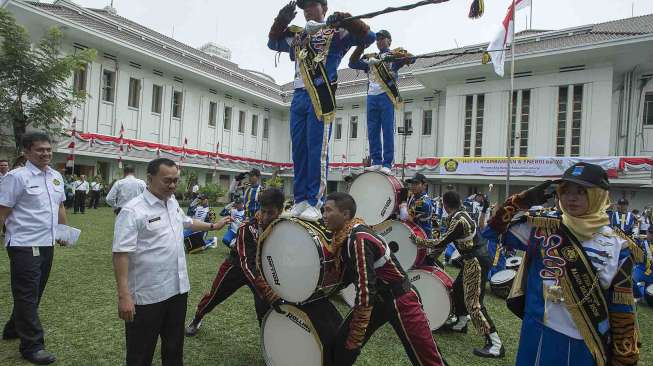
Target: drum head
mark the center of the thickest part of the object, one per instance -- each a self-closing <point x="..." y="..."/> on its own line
<point x="434" y="294"/>
<point x="397" y="235"/>
<point x="290" y="339"/>
<point x="502" y="277"/>
<point x="513" y="262"/>
<point x="375" y="196"/>
<point x="348" y="294"/>
<point x="290" y="261"/>
<point x="649" y="290"/>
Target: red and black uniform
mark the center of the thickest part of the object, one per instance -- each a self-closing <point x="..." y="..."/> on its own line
<point x="238" y="270"/>
<point x="383" y="294"/>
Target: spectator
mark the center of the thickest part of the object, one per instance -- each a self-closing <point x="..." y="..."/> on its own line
<point x="81" y="190"/>
<point x="96" y="191"/>
<point x="125" y="190"/>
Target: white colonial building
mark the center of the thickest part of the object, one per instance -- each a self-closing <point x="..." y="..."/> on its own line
<point x="581" y="93"/>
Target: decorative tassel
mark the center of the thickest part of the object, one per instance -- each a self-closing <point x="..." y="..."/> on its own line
<point x="477" y="9"/>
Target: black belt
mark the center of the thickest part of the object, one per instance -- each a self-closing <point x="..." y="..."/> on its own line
<point x="394" y="289"/>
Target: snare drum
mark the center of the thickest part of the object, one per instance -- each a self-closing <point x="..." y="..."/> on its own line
<point x="194" y="242"/>
<point x="377" y="196"/>
<point x="501" y="282"/>
<point x="296" y="260"/>
<point x="434" y="287"/>
<point x="397" y="234"/>
<point x="303" y="336"/>
<point x="513" y="263"/>
<point x="649" y="295"/>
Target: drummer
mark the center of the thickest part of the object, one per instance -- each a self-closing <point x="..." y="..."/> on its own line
<point x="576" y="284"/>
<point x="643" y="271"/>
<point x="383" y="292"/>
<point x="419" y="209"/>
<point x="469" y="286"/>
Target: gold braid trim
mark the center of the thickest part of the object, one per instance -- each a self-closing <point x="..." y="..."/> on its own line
<point x="395" y="101"/>
<point x="635" y="251"/>
<point x="472" y="295"/>
<point x="548" y="225"/>
<point x="340" y="238"/>
<point x="265" y="290"/>
<point x="360" y="318"/>
<point x="625" y="339"/>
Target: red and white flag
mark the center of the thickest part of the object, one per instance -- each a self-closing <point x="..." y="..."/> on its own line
<point x="497" y="48"/>
<point x="217" y="155"/>
<point x="121" y="141"/>
<point x="70" y="161"/>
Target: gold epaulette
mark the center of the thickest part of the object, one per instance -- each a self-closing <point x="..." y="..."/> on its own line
<point x="548" y="224"/>
<point x="295" y="29"/>
<point x="635" y="251"/>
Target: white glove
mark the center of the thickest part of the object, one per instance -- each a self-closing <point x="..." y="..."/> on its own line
<point x="403" y="212"/>
<point x="373" y="61"/>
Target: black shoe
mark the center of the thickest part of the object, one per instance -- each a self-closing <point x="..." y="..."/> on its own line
<point x="193" y="328"/>
<point x="9" y="335"/>
<point x="41" y="357"/>
<point x="485" y="352"/>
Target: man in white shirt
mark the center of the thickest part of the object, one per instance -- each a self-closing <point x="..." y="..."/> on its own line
<point x="96" y="191"/>
<point x="81" y="190"/>
<point x="150" y="267"/>
<point x="4" y="168"/>
<point x="125" y="190"/>
<point x="31" y="206"/>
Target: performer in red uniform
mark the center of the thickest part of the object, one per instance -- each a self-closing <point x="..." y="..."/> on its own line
<point x="383" y="293"/>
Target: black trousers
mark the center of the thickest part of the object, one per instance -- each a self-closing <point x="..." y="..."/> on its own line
<point x="29" y="275"/>
<point x="80" y="201"/>
<point x="461" y="306"/>
<point x="164" y="319"/>
<point x="95" y="199"/>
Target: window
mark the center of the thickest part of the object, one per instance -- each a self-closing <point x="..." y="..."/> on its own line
<point x="79" y="80"/>
<point x="108" y="85"/>
<point x="570" y="118"/>
<point x="134" y="93"/>
<point x="521" y="106"/>
<point x="213" y="112"/>
<point x="177" y="100"/>
<point x="338" y="128"/>
<point x="241" y="121"/>
<point x="427" y="123"/>
<point x="473" y="125"/>
<point x="266" y="128"/>
<point x="353" y="127"/>
<point x="208" y="178"/>
<point x="648" y="109"/>
<point x="254" y="125"/>
<point x="227" y="118"/>
<point x="408" y="120"/>
<point x="157" y="98"/>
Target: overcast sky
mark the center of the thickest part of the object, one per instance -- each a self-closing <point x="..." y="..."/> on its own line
<point x="243" y="25"/>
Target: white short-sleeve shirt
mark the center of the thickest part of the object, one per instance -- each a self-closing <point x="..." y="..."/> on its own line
<point x="124" y="191"/>
<point x="34" y="197"/>
<point x="152" y="232"/>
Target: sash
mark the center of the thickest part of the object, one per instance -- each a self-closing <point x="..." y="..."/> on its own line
<point x="387" y="82"/>
<point x="311" y="67"/>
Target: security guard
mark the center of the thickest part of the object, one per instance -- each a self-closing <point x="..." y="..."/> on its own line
<point x="31" y="206"/>
<point x="150" y="267"/>
<point x="124" y="190"/>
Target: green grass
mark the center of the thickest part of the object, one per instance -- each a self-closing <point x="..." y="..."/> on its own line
<point x="79" y="314"/>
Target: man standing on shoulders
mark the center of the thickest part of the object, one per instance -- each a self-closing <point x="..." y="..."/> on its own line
<point x="382" y="97"/>
<point x="4" y="168"/>
<point x="81" y="190"/>
<point x="124" y="190"/>
<point x="31" y="206"/>
<point x="317" y="55"/>
<point x="150" y="267"/>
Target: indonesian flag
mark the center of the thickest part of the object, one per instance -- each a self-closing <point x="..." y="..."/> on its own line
<point x="120" y="147"/>
<point x="497" y="49"/>
<point x="217" y="155"/>
<point x="70" y="161"/>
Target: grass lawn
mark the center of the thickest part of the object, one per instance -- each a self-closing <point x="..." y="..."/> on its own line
<point x="79" y="314"/>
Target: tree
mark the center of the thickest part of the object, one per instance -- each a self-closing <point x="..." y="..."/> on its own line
<point x="34" y="88"/>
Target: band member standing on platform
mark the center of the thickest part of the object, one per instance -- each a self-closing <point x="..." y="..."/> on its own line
<point x="574" y="288"/>
<point x="469" y="286"/>
<point x="382" y="97"/>
<point x="383" y="292"/>
<point x="317" y="57"/>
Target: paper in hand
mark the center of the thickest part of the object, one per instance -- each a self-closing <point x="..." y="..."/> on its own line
<point x="67" y="234"/>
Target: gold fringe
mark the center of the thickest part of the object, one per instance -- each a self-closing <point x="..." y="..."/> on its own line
<point x="550" y="225"/>
<point x="623" y="297"/>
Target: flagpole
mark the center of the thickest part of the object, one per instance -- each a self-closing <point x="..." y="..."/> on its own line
<point x="510" y="105"/>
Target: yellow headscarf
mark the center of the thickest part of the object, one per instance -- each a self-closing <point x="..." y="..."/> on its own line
<point x="584" y="227"/>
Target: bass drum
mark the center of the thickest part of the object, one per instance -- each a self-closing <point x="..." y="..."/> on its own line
<point x="397" y="235"/>
<point x="501" y="282"/>
<point x="649" y="295"/>
<point x="296" y="260"/>
<point x="435" y="290"/>
<point x="303" y="336"/>
<point x="377" y="196"/>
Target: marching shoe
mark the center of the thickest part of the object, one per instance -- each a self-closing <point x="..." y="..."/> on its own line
<point x="40" y="357"/>
<point x="311" y="213"/>
<point x="193" y="328"/>
<point x="373" y="168"/>
<point x="298" y="208"/>
<point x="493" y="347"/>
<point x="461" y="325"/>
<point x="385" y="170"/>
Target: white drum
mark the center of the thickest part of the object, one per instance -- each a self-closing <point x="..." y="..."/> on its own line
<point x="513" y="263"/>
<point x="501" y="282"/>
<point x="348" y="294"/>
<point x="397" y="235"/>
<point x="376" y="196"/>
<point x="649" y="295"/>
<point x="434" y="287"/>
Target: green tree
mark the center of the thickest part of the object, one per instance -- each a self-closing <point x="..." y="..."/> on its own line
<point x="34" y="87"/>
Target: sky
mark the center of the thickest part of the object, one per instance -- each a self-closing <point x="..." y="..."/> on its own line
<point x="243" y="25"/>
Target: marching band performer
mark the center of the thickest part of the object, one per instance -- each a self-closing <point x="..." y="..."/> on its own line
<point x="382" y="97"/>
<point x="469" y="286"/>
<point x="317" y="57"/>
<point x="383" y="292"/>
<point x="622" y="218"/>
<point x="574" y="289"/>
<point x="643" y="271"/>
<point x="419" y="208"/>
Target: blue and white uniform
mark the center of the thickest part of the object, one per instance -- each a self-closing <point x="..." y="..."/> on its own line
<point x="643" y="272"/>
<point x="421" y="209"/>
<point x="237" y="218"/>
<point x="624" y="221"/>
<point x="308" y="134"/>
<point x="250" y="197"/>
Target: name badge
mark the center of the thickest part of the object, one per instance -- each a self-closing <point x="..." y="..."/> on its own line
<point x="35" y="251"/>
<point x="154" y="220"/>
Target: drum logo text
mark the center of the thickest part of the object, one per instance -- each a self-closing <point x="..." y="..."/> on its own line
<point x="415" y="278"/>
<point x="385" y="208"/>
<point x="298" y="321"/>
<point x="386" y="231"/>
<point x="274" y="271"/>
